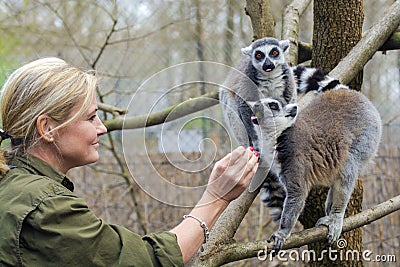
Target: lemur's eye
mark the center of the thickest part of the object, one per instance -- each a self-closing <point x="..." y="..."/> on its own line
<point x="273" y="106"/>
<point x="259" y="55"/>
<point x="275" y="53"/>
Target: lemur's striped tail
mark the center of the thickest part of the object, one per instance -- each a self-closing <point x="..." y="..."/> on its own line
<point x="273" y="195"/>
<point x="313" y="79"/>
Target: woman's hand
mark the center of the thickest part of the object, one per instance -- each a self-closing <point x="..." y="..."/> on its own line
<point x="232" y="174"/>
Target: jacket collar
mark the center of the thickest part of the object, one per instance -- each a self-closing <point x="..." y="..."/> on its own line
<point x="37" y="166"/>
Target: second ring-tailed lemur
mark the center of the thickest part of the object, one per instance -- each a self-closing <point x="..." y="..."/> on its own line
<point x="271" y="119"/>
<point x="264" y="72"/>
<point x="331" y="141"/>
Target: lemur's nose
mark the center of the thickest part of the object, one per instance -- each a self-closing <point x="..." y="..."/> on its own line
<point x="293" y="111"/>
<point x="268" y="65"/>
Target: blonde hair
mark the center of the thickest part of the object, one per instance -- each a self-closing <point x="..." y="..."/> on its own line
<point x="45" y="86"/>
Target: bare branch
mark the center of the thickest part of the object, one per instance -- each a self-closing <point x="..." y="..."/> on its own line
<point x="111" y="109"/>
<point x="68" y="31"/>
<point x="156" y="31"/>
<point x="172" y="113"/>
<point x="290" y="27"/>
<point x="261" y="17"/>
<point x="238" y="251"/>
<point x="393" y="43"/>
<point x="106" y="42"/>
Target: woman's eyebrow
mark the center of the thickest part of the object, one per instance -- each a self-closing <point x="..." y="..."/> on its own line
<point x="93" y="110"/>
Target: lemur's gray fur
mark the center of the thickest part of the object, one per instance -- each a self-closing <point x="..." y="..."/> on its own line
<point x="332" y="140"/>
<point x="263" y="72"/>
<point x="335" y="134"/>
<point x="271" y="119"/>
<point x="308" y="79"/>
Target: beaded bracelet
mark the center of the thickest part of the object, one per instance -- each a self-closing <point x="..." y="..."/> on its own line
<point x="202" y="225"/>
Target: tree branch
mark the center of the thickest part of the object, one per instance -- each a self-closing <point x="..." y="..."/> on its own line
<point x="290" y="27"/>
<point x="261" y="17"/>
<point x="111" y="109"/>
<point x="393" y="43"/>
<point x="359" y="55"/>
<point x="172" y="113"/>
<point x="374" y="38"/>
<point x="103" y="47"/>
<point x="156" y="31"/>
<point x="238" y="251"/>
<point x="67" y="30"/>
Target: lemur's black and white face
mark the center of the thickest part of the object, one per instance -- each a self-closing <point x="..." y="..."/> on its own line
<point x="267" y="53"/>
<point x="271" y="115"/>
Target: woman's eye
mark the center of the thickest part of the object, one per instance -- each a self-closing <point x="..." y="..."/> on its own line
<point x="92" y="117"/>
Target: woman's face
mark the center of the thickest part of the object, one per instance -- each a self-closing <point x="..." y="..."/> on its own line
<point x="78" y="142"/>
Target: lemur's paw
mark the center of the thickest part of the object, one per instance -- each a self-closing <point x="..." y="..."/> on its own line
<point x="326" y="221"/>
<point x="278" y="238"/>
<point x="334" y="225"/>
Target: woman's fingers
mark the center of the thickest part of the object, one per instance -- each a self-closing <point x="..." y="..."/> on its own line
<point x="232" y="174"/>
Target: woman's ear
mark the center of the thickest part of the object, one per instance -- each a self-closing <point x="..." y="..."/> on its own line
<point x="44" y="126"/>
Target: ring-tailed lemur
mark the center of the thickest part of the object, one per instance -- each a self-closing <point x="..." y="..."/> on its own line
<point x="332" y="140"/>
<point x="272" y="118"/>
<point x="308" y="79"/>
<point x="264" y="72"/>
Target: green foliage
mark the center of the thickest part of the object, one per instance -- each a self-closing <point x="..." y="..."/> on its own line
<point x="7" y="57"/>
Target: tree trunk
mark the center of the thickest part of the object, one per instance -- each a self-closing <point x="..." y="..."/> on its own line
<point x="333" y="37"/>
<point x="337" y="29"/>
<point x="261" y="17"/>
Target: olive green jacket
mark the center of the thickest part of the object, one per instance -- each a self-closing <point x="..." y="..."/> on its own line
<point x="43" y="223"/>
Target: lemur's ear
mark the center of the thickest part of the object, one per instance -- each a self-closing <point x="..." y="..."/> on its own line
<point x="247" y="50"/>
<point x="251" y="103"/>
<point x="284" y="44"/>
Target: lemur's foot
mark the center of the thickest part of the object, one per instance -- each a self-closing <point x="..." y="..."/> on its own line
<point x="334" y="225"/>
<point x="279" y="238"/>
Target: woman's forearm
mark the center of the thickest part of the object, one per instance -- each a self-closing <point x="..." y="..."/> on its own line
<point x="189" y="233"/>
<point x="229" y="178"/>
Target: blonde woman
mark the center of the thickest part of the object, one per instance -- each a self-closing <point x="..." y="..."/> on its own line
<point x="49" y="111"/>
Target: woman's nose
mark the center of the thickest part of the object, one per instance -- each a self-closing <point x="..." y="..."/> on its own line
<point x="101" y="129"/>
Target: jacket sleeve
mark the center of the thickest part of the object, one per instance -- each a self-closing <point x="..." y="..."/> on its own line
<point x="62" y="231"/>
